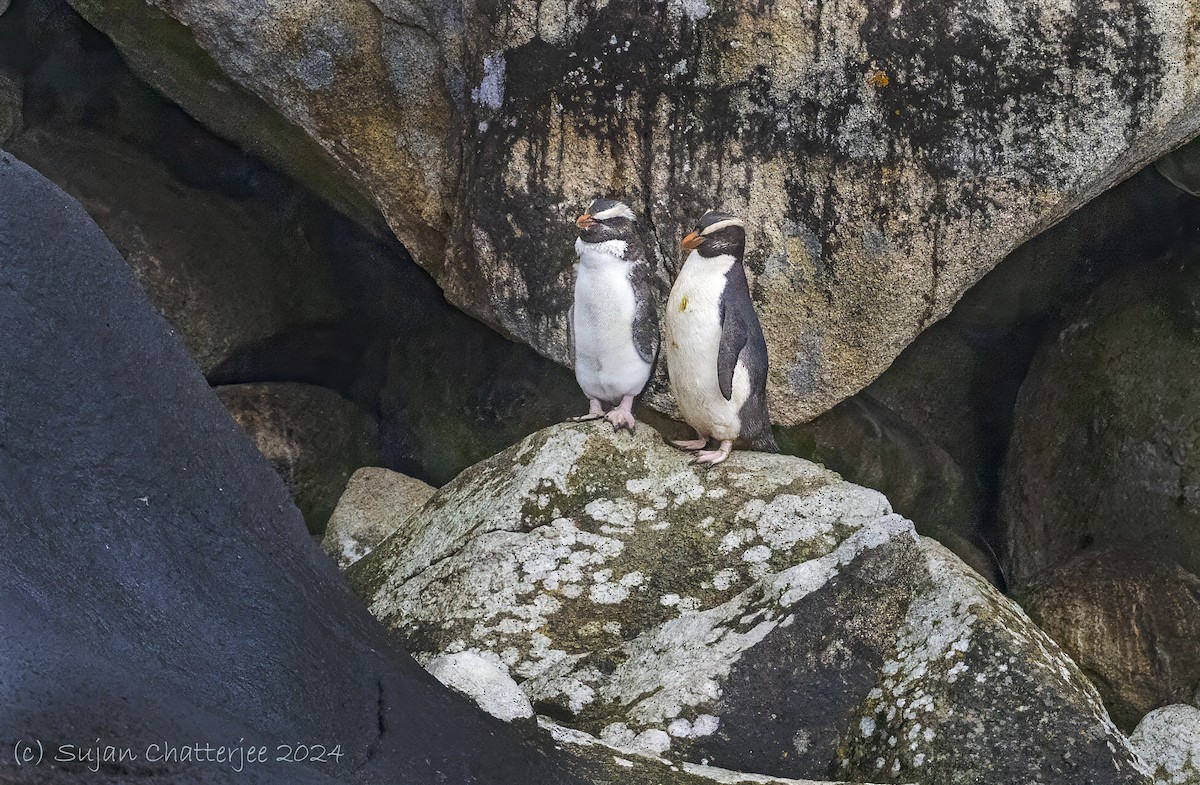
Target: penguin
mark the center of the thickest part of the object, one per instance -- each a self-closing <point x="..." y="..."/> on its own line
<point x="614" y="317"/>
<point x="716" y="353"/>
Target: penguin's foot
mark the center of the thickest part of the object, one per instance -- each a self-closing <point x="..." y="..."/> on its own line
<point x="620" y="419"/>
<point x="713" y="457"/>
<point x="595" y="412"/>
<point x="691" y="445"/>
<point x="622" y="416"/>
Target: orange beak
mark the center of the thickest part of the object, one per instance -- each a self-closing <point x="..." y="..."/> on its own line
<point x="584" y="221"/>
<point x="692" y="241"/>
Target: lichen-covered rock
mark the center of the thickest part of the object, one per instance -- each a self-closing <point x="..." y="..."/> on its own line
<point x="638" y="767"/>
<point x="975" y="692"/>
<point x="225" y="273"/>
<point x="313" y="437"/>
<point x="1105" y="450"/>
<point x="884" y="158"/>
<point x="375" y="503"/>
<point x="1132" y="625"/>
<point x="1168" y="742"/>
<point x="758" y="615"/>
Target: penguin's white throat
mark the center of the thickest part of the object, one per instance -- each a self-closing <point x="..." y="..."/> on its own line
<point x="613" y="248"/>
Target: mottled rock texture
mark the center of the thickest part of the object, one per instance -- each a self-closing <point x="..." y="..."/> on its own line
<point x="1168" y="741"/>
<point x="313" y="437"/>
<point x="1109" y="404"/>
<point x="885" y="158"/>
<point x="160" y="587"/>
<point x="1132" y="625"/>
<point x="225" y="273"/>
<point x="11" y="102"/>
<point x="763" y="615"/>
<point x="374" y="504"/>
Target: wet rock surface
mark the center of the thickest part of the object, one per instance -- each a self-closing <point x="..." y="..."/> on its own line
<point x="764" y="616"/>
<point x="881" y="173"/>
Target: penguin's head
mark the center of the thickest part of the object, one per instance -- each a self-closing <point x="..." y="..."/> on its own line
<point x="606" y="219"/>
<point x="717" y="234"/>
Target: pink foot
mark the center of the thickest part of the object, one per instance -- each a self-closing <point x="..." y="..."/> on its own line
<point x="595" y="412"/>
<point x="713" y="457"/>
<point x="622" y="416"/>
<point x="691" y="445"/>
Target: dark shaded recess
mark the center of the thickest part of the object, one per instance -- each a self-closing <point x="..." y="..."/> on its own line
<point x="159" y="585"/>
<point x="447" y="391"/>
<point x="1003" y="319"/>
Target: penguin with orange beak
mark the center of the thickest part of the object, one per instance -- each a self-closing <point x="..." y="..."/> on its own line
<point x="716" y="352"/>
<point x="614" y="318"/>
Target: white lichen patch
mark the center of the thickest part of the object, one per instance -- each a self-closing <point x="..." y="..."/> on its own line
<point x="1168" y="742"/>
<point x="490" y="92"/>
<point x="608" y="595"/>
<point x="939" y="647"/>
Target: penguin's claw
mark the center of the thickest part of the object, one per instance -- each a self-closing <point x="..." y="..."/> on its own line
<point x="691" y="445"/>
<point x="586" y="418"/>
<point x="619" y="418"/>
<point x="713" y="457"/>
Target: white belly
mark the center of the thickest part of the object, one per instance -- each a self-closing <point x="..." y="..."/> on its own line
<point x="692" y="338"/>
<point x="607" y="364"/>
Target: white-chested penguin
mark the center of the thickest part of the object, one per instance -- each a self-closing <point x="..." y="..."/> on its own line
<point x="614" y="319"/>
<point x="716" y="353"/>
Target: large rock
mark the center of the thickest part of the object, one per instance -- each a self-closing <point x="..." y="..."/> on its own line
<point x="1132" y="625"/>
<point x="763" y="616"/>
<point x="885" y="158"/>
<point x="159" y="585"/>
<point x="224" y="272"/>
<point x="1106" y="449"/>
<point x="313" y="437"/>
<point x="374" y="504"/>
<point x="1168" y="740"/>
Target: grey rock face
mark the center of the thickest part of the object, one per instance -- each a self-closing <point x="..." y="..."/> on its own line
<point x="374" y="504"/>
<point x="883" y="162"/>
<point x="1168" y="740"/>
<point x="313" y="437"/>
<point x="763" y="615"/>
<point x="1132" y="624"/>
<point x="1108" y="405"/>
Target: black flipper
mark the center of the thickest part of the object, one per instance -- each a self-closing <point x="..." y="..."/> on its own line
<point x="742" y="341"/>
<point x="734" y="335"/>
<point x="647" y="291"/>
